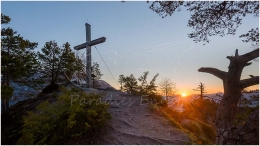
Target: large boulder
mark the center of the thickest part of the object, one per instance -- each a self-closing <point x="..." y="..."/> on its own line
<point x="50" y="88"/>
<point x="248" y="133"/>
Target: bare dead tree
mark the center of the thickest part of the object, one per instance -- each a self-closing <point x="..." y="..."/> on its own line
<point x="201" y="89"/>
<point x="167" y="86"/>
<point x="233" y="87"/>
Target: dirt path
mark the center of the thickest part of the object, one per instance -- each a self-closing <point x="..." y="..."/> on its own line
<point x="132" y="123"/>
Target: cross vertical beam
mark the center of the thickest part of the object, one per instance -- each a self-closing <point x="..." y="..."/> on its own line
<point x="88" y="55"/>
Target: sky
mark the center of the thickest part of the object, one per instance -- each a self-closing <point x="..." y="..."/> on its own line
<point x="137" y="40"/>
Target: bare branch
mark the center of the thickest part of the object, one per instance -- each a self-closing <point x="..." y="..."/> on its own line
<point x="236" y="54"/>
<point x="216" y="72"/>
<point x="246" y="57"/>
<point x="254" y="80"/>
<point x="229" y="57"/>
<point x="250" y="56"/>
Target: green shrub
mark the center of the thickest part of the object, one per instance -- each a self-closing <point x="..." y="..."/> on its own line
<point x="68" y="117"/>
<point x="208" y="130"/>
<point x="202" y="109"/>
<point x="173" y="122"/>
<point x="174" y="114"/>
<point x="202" y="132"/>
<point x="192" y="127"/>
<point x="199" y="131"/>
<point x="75" y="89"/>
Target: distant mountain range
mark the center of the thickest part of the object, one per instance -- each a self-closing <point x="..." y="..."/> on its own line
<point x="248" y="95"/>
<point x="216" y="97"/>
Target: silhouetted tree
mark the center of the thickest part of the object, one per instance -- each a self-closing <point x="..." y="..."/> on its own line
<point x="143" y="81"/>
<point x="121" y="81"/>
<point x="68" y="63"/>
<point x="252" y="36"/>
<point x="151" y="87"/>
<point x="130" y="84"/>
<point x="18" y="61"/>
<point x="201" y="89"/>
<point x="51" y="61"/>
<point x="167" y="86"/>
<point x="144" y="87"/>
<point x="95" y="70"/>
<point x="232" y="91"/>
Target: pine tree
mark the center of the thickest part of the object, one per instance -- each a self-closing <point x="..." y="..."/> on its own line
<point x="121" y="81"/>
<point x="68" y="63"/>
<point x="51" y="61"/>
<point x="95" y="70"/>
<point x="144" y="85"/>
<point x="130" y="84"/>
<point x="151" y="88"/>
<point x="80" y="69"/>
<point x="18" y="60"/>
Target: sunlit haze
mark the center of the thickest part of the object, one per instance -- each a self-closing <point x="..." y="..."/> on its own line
<point x="183" y="94"/>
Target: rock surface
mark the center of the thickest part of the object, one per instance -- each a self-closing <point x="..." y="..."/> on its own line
<point x="248" y="133"/>
<point x="132" y="123"/>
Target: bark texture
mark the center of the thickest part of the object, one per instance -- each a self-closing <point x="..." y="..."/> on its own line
<point x="232" y="91"/>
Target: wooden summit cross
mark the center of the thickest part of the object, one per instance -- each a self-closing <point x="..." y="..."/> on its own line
<point x="88" y="45"/>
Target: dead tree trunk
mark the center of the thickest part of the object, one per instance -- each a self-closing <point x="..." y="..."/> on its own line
<point x="232" y="91"/>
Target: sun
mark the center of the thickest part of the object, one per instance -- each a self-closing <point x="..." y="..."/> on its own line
<point x="183" y="94"/>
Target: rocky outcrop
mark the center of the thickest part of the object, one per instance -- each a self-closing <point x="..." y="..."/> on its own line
<point x="248" y="133"/>
<point x="133" y="123"/>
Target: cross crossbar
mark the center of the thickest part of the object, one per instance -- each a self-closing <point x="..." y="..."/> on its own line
<point x="92" y="43"/>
